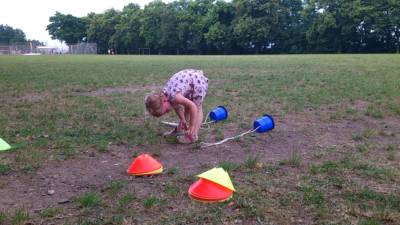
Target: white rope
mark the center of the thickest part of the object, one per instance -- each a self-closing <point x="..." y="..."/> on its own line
<point x="173" y="124"/>
<point x="206" y="122"/>
<point x="205" y="145"/>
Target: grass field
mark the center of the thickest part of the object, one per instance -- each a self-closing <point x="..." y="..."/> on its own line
<point x="75" y="123"/>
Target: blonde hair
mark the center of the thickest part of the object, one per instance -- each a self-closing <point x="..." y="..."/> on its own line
<point x="153" y="104"/>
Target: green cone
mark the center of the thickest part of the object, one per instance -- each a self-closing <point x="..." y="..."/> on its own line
<point x="3" y="145"/>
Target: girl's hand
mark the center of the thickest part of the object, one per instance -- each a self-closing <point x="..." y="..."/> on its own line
<point x="182" y="125"/>
<point x="191" y="131"/>
<point x="192" y="109"/>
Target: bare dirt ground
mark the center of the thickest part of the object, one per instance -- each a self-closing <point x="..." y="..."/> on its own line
<point x="123" y="90"/>
<point x="129" y="89"/>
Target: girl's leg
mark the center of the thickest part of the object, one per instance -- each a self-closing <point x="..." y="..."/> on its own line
<point x="199" y="119"/>
<point x="187" y="116"/>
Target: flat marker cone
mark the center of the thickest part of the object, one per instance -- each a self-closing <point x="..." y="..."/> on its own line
<point x="144" y="164"/>
<point x="209" y="191"/>
<point x="219" y="176"/>
<point x="4" y="146"/>
<point x="208" y="201"/>
<point x="150" y="173"/>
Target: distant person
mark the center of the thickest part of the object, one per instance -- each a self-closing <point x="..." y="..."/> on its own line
<point x="184" y="92"/>
<point x="109" y="51"/>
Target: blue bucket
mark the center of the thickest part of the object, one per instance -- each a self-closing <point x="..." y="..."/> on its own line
<point x="219" y="113"/>
<point x="264" y="124"/>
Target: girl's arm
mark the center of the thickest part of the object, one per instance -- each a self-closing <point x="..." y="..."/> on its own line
<point x="191" y="107"/>
<point x="179" y="111"/>
<point x="181" y="114"/>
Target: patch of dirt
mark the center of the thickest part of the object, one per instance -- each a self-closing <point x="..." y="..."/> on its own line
<point x="360" y="105"/>
<point x="36" y="97"/>
<point x="122" y="90"/>
<point x="32" y="97"/>
<point x="300" y="133"/>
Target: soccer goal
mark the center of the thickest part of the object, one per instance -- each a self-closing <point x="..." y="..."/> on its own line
<point x="144" y="51"/>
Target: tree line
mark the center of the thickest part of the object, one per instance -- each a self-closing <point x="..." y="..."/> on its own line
<point x="9" y="36"/>
<point x="238" y="27"/>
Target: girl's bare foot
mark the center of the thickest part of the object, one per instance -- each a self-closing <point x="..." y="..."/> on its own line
<point x="173" y="132"/>
<point x="186" y="139"/>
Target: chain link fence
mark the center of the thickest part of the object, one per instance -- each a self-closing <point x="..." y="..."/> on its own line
<point x="83" y="48"/>
<point x="18" y="49"/>
<point x="34" y="49"/>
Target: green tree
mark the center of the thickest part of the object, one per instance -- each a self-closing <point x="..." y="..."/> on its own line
<point x="382" y="26"/>
<point x="126" y="38"/>
<point x="290" y="35"/>
<point x="35" y="42"/>
<point x="336" y="25"/>
<point x="239" y="26"/>
<point x="395" y="22"/>
<point x="150" y="25"/>
<point x="102" y="27"/>
<point x="184" y="26"/>
<point x="9" y="35"/>
<point x="219" y="22"/>
<point x="168" y="41"/>
<point x="256" y="23"/>
<point x="66" y="28"/>
<point x="193" y="25"/>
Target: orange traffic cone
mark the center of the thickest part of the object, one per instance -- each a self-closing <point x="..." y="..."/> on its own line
<point x="213" y="186"/>
<point x="144" y="164"/>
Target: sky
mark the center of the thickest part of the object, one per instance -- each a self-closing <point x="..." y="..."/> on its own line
<point x="32" y="16"/>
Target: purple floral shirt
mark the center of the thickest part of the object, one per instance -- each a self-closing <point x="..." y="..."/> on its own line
<point x="192" y="84"/>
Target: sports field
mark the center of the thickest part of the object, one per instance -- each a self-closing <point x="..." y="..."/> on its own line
<point x="76" y="122"/>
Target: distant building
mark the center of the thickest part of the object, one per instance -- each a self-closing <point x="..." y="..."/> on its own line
<point x="48" y="50"/>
